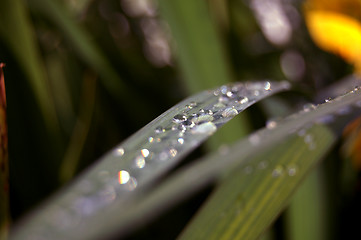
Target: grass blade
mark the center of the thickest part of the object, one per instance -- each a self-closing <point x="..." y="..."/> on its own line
<point x="118" y="179"/>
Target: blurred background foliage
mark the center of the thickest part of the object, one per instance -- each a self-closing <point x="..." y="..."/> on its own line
<point x="82" y="75"/>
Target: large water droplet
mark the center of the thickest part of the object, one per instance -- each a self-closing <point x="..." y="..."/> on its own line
<point x="179" y="118"/>
<point x="229" y="112"/>
<point x="145" y="152"/>
<point x="202" y="118"/>
<point x="204" y="128"/>
<point x="123" y="177"/>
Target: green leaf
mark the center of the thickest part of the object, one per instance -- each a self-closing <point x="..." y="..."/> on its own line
<point x="255" y="194"/>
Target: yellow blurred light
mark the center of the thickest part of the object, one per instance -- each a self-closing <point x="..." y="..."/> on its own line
<point x="336" y="33"/>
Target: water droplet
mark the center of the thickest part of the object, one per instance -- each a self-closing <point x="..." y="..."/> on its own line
<point x="229" y="112"/>
<point x="223" y="89"/>
<point x="203" y="118"/>
<point x="309" y="107"/>
<point x="292" y="170"/>
<point x="271" y="124"/>
<point x="191" y="105"/>
<point x="119" y="152"/>
<point x="243" y="100"/>
<point x="172" y="152"/>
<point x="151" y="139"/>
<point x="180" y="140"/>
<point x="277" y="172"/>
<point x="229" y="94"/>
<point x="159" y="129"/>
<point x="123" y="177"/>
<point x="267" y="86"/>
<point x="139" y="162"/>
<point x="218" y="106"/>
<point x="328" y="100"/>
<point x="145" y="152"/>
<point x="179" y="118"/>
<point x="204" y="128"/>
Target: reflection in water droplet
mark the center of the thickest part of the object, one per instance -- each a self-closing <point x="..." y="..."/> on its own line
<point x="140" y="162"/>
<point x="180" y="140"/>
<point x="151" y="139"/>
<point x="119" y="152"/>
<point x="179" y="118"/>
<point x="172" y="152"/>
<point x="328" y="100"/>
<point x="229" y="112"/>
<point x="145" y="152"/>
<point x="204" y="128"/>
<point x="267" y="86"/>
<point x="277" y="172"/>
<point x="123" y="177"/>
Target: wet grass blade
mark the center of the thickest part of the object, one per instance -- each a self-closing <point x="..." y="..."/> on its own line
<point x="125" y="173"/>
